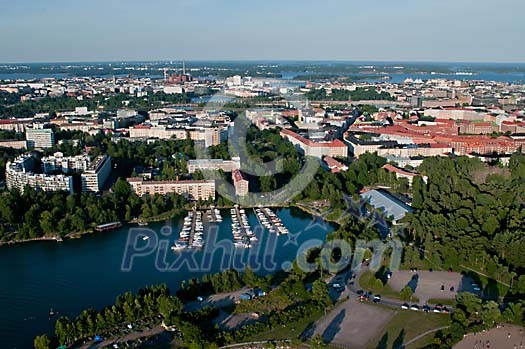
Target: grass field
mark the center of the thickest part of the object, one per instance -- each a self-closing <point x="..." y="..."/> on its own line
<point x="448" y="302"/>
<point x="406" y="325"/>
<point x="290" y="331"/>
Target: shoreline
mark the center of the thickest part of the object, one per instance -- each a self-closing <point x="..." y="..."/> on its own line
<point x="161" y="217"/>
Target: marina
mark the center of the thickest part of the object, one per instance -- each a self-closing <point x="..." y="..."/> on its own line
<point x="192" y="232"/>
<point x="243" y="236"/>
<point x="76" y="263"/>
<point x="214" y="215"/>
<point x="270" y="220"/>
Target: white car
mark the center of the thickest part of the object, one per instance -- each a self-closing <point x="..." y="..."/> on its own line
<point x="404" y="306"/>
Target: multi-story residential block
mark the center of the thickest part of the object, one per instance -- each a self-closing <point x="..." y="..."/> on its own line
<point x="210" y="136"/>
<point x="213" y="165"/>
<point x="97" y="173"/>
<point x="240" y="183"/>
<point x="65" y="164"/>
<point x="192" y="190"/>
<point x="40" y="137"/>
<point x="477" y="128"/>
<point x="14" y="144"/>
<point x="393" y="148"/>
<point x="17" y="125"/>
<point x="20" y="174"/>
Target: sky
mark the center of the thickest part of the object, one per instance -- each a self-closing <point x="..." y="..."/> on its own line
<point x="348" y="30"/>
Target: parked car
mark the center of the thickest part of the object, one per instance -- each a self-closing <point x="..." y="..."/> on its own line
<point x="414" y="307"/>
<point x="377" y="298"/>
<point x="426" y="308"/>
<point x="405" y="306"/>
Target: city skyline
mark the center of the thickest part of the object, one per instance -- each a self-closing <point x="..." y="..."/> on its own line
<point x="200" y="30"/>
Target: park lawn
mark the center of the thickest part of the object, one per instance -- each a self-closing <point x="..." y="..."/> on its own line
<point x="367" y="282"/>
<point x="422" y="342"/>
<point x="447" y="302"/>
<point x="406" y="325"/>
<point x="291" y="331"/>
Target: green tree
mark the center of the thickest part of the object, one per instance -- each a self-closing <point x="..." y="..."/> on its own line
<point x="42" y="342"/>
<point x="490" y="313"/>
<point x="320" y="293"/>
<point x="406" y="293"/>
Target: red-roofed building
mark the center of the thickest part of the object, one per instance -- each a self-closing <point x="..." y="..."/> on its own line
<point x="400" y="173"/>
<point x="334" y="165"/>
<point x="316" y="149"/>
<point x="240" y="183"/>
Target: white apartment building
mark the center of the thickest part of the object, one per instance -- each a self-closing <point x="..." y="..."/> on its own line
<point x="65" y="164"/>
<point x="192" y="190"/>
<point x="38" y="137"/>
<point x="19" y="174"/>
<point x="97" y="173"/>
<point x="213" y="165"/>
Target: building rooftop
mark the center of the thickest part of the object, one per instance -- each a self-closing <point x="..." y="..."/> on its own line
<point x="383" y="200"/>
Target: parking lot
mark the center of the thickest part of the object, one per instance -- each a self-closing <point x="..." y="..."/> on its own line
<point x="353" y="324"/>
<point x="431" y="285"/>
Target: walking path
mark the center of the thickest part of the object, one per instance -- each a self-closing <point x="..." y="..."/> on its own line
<point x="415" y="339"/>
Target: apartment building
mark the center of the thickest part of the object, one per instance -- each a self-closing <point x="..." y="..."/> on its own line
<point x="241" y="184"/>
<point x="20" y="174"/>
<point x="13" y="144"/>
<point x="477" y="128"/>
<point x="393" y="148"/>
<point x="96" y="174"/>
<point x="40" y="137"/>
<point x="210" y="136"/>
<point x="192" y="190"/>
<point x="213" y="165"/>
<point x="14" y="125"/>
<point x="161" y="132"/>
<point x="65" y="164"/>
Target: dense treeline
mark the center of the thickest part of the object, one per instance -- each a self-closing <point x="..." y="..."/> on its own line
<point x="288" y="300"/>
<point x="97" y="103"/>
<point x="225" y="281"/>
<point x="169" y="155"/>
<point x="360" y="94"/>
<point x="365" y="171"/>
<point x="128" y="308"/>
<point x="33" y="214"/>
<point x="470" y="214"/>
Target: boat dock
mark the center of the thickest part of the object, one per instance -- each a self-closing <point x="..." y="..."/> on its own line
<point x="214" y="215"/>
<point x="270" y="220"/>
<point x="241" y="230"/>
<point x="191" y="234"/>
<point x="108" y="226"/>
